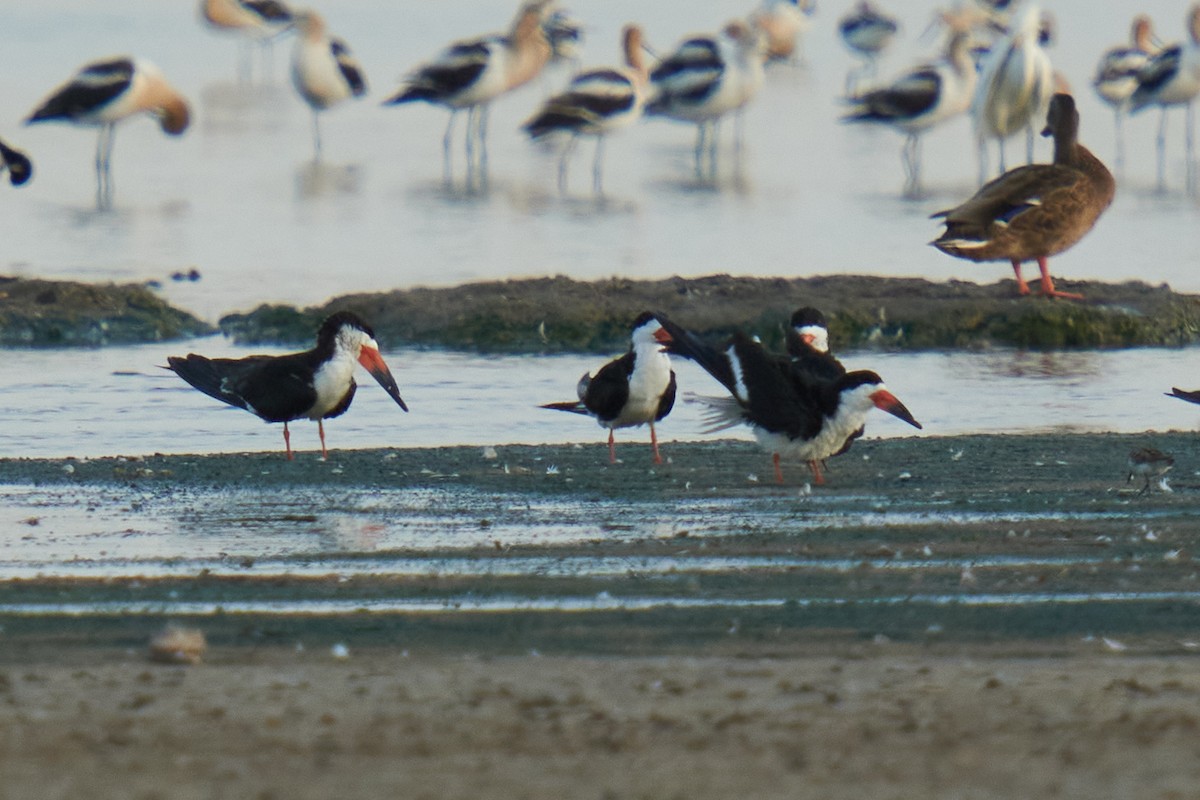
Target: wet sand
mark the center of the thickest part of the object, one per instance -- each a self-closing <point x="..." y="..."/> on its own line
<point x="1095" y="692"/>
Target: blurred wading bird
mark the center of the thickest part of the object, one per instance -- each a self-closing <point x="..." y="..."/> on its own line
<point x="595" y="103"/>
<point x="103" y="93"/>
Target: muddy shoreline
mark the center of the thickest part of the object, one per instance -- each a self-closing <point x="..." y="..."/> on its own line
<point x="970" y="616"/>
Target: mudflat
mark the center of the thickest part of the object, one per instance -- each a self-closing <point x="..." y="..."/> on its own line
<point x="968" y="617"/>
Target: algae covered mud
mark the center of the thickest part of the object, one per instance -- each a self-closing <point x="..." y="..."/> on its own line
<point x="971" y="539"/>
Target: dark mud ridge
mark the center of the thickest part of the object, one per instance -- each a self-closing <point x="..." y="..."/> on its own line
<point x="561" y="314"/>
<point x="38" y="313"/>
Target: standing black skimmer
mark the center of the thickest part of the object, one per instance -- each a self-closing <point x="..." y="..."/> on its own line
<point x="1172" y="78"/>
<point x="595" y="103"/>
<point x="323" y="71"/>
<point x="808" y="347"/>
<point x="791" y="412"/>
<point x="1146" y="462"/>
<point x="808" y="344"/>
<point x="706" y="78"/>
<point x="925" y="96"/>
<point x="19" y="167"/>
<point x="1036" y="211"/>
<point x="315" y="384"/>
<point x="636" y="389"/>
<point x="254" y="21"/>
<point x="103" y="93"/>
<point x="471" y="74"/>
<point x="1116" y="75"/>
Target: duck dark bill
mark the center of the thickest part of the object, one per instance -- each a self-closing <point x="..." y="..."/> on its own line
<point x="886" y="401"/>
<point x="373" y="362"/>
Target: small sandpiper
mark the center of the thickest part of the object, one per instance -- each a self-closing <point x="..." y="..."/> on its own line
<point x="1148" y="463"/>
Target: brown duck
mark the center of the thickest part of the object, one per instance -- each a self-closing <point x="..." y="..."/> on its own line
<point x="1036" y="211"/>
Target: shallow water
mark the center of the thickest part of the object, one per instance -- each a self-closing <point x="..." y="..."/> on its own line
<point x="117" y="401"/>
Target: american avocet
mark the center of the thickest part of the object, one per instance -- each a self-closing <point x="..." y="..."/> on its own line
<point x="866" y="31"/>
<point x="706" y="78"/>
<point x="922" y="98"/>
<point x="563" y="32"/>
<point x="782" y="23"/>
<point x="254" y="21"/>
<point x="595" y="103"/>
<point x="636" y="389"/>
<point x="1172" y="78"/>
<point x="792" y="412"/>
<point x="472" y="73"/>
<point x="1116" y="75"/>
<point x="19" y="167"/>
<point x="315" y="384"/>
<point x="103" y="93"/>
<point x="1036" y="211"/>
<point x="323" y="71"/>
<point x="1016" y="82"/>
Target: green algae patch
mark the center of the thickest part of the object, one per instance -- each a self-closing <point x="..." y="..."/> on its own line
<point x="41" y="313"/>
<point x="559" y="314"/>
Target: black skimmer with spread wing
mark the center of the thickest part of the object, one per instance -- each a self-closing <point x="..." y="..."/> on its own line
<point x="315" y="384"/>
<point x="791" y="412"/>
<point x="636" y="389"/>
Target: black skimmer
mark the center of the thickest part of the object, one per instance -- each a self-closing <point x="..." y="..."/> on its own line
<point x="1116" y="75"/>
<point x="1016" y="81"/>
<point x="315" y="384"/>
<point x="704" y="79"/>
<point x="595" y="103"/>
<point x="1036" y="211"/>
<point x="323" y="71"/>
<point x="255" y="21"/>
<point x="808" y="347"/>
<point x="922" y="98"/>
<point x="1172" y="78"/>
<point x="19" y="167"/>
<point x="782" y="22"/>
<point x="791" y="412"/>
<point x="636" y="389"/>
<point x="471" y="74"/>
<point x="1146" y="462"/>
<point x="866" y="31"/>
<point x="105" y="92"/>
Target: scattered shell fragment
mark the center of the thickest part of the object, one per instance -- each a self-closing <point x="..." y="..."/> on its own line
<point x="177" y="645"/>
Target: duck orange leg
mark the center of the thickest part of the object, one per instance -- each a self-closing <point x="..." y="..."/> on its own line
<point x="1022" y="286"/>
<point x="1048" y="289"/>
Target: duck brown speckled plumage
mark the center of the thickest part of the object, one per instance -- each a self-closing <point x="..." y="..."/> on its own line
<point x="1037" y="211"/>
